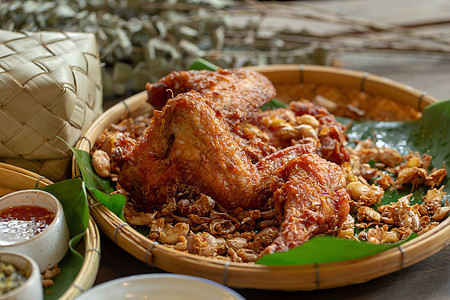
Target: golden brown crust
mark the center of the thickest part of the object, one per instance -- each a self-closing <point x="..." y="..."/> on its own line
<point x="235" y="93"/>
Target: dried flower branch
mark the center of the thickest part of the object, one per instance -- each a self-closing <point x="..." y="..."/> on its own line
<point x="144" y="40"/>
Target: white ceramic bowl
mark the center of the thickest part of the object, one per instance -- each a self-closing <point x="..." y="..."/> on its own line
<point x="32" y="287"/>
<point x="160" y="286"/>
<point x="48" y="247"/>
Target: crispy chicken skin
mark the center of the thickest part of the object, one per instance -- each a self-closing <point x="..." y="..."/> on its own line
<point x="235" y="93"/>
<point x="311" y="198"/>
<point x="188" y="143"/>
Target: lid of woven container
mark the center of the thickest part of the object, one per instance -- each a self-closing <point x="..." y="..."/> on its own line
<point x="50" y="87"/>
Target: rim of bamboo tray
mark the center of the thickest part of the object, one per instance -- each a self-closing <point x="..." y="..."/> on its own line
<point x="243" y="275"/>
<point x="364" y="81"/>
<point x="14" y="178"/>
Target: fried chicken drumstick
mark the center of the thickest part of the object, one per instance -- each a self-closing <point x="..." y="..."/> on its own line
<point x="194" y="139"/>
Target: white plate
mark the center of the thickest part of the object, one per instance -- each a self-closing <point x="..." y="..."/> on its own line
<point x="160" y="286"/>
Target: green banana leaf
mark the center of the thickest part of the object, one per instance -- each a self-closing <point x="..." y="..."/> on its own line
<point x="326" y="249"/>
<point x="72" y="195"/>
<point x="100" y="188"/>
<point x="203" y="64"/>
<point x="430" y="134"/>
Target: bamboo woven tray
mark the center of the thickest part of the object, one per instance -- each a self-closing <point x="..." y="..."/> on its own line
<point x="12" y="179"/>
<point x="241" y="275"/>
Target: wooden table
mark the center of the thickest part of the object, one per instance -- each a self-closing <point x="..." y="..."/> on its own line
<point x="428" y="279"/>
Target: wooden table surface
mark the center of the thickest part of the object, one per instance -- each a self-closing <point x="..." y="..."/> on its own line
<point x="428" y="279"/>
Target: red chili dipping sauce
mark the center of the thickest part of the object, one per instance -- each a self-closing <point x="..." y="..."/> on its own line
<point x="21" y="223"/>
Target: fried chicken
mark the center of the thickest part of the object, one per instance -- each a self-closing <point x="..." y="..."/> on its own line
<point x="236" y="94"/>
<point x="203" y="138"/>
<point x="311" y="198"/>
<point x="188" y="143"/>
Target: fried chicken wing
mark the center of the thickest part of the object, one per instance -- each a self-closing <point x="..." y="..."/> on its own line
<point x="188" y="143"/>
<point x="180" y="146"/>
<point x="235" y="93"/>
<point x="311" y="198"/>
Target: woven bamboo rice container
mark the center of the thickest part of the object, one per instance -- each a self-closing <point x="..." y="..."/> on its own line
<point x="290" y="78"/>
<point x="50" y="89"/>
<point x="12" y="179"/>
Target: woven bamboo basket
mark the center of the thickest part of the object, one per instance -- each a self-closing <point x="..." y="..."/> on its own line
<point x="241" y="275"/>
<point x="50" y="87"/>
<point x="12" y="179"/>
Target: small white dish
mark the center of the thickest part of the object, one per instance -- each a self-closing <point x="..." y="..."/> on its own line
<point x="49" y="246"/>
<point x="32" y="287"/>
<point x="160" y="286"/>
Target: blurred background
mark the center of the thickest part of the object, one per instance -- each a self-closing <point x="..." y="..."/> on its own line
<point x="141" y="41"/>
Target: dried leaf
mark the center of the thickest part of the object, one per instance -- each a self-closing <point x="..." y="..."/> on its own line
<point x="121" y="72"/>
<point x="161" y="28"/>
<point x="218" y="38"/>
<point x="191" y="49"/>
<point x="187" y="31"/>
<point x="159" y="67"/>
<point x="107" y="83"/>
<point x="64" y="11"/>
<point x="140" y="76"/>
<point x="157" y="44"/>
<point x="124" y="42"/>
